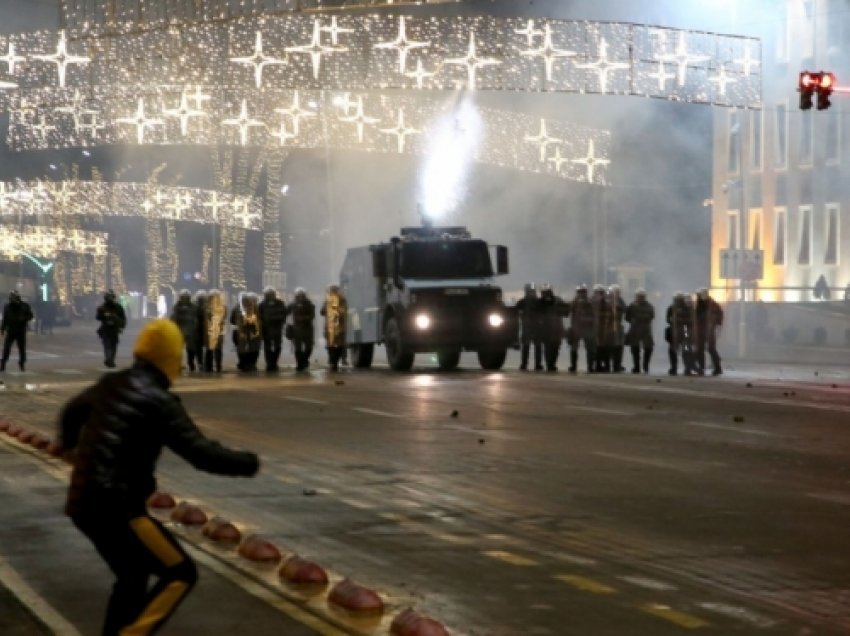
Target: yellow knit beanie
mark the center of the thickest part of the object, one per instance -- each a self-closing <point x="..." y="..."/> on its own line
<point x="161" y="343"/>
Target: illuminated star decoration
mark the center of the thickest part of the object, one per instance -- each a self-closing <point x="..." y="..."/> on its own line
<point x="472" y="62"/>
<point x="548" y="52"/>
<point x="5" y="85"/>
<point x="181" y="203"/>
<point x="242" y="210"/>
<point x="359" y="119"/>
<point x="335" y="30"/>
<point x="591" y="161"/>
<point x="529" y="32"/>
<point x="662" y="75"/>
<point x="282" y="134"/>
<point x="401" y="131"/>
<point x="62" y="58"/>
<point x="315" y="49"/>
<point x="42" y="128"/>
<point x="682" y="58"/>
<point x="214" y="205"/>
<point x="748" y="61"/>
<point x="244" y="122"/>
<point x="558" y="159"/>
<point x="258" y="60"/>
<point x="602" y="65"/>
<point x="344" y="102"/>
<point x="543" y="140"/>
<point x="420" y="74"/>
<point x="11" y="59"/>
<point x="721" y="79"/>
<point x="295" y="112"/>
<point x="183" y="112"/>
<point x="402" y="45"/>
<point x="140" y="121"/>
<point x="199" y="98"/>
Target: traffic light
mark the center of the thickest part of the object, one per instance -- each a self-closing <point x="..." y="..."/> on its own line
<point x="823" y="83"/>
<point x="825" y="87"/>
<point x="808" y="83"/>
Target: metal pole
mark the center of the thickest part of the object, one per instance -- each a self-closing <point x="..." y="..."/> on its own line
<point x="742" y="325"/>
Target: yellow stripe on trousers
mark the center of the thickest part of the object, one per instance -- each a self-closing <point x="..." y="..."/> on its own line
<point x="157" y="609"/>
<point x="154" y="541"/>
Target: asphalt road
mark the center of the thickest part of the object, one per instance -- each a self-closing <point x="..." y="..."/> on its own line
<point x="513" y="502"/>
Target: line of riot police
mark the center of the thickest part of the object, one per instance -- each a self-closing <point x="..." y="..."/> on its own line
<point x="597" y="323"/>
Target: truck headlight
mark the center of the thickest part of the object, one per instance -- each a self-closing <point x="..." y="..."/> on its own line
<point x="495" y="320"/>
<point x="423" y="321"/>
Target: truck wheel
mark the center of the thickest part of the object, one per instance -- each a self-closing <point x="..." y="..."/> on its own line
<point x="398" y="357"/>
<point x="493" y="359"/>
<point x="361" y="355"/>
<point x="448" y="359"/>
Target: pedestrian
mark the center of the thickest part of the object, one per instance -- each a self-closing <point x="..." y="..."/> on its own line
<point x="303" y="314"/>
<point x="113" y="433"/>
<point x="335" y="311"/>
<point x="582" y="329"/>
<point x="13" y="328"/>
<point x="200" y="300"/>
<point x="273" y="317"/>
<point x="640" y="314"/>
<point x="215" y="314"/>
<point x="112" y="320"/>
<point x="247" y="332"/>
<point x="185" y="316"/>
<point x="709" y="318"/>
<point x="679" y="334"/>
<point x="528" y="312"/>
<point x="551" y="310"/>
<point x="615" y="334"/>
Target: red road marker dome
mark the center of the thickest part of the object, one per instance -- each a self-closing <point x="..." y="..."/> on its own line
<point x="4" y="426"/>
<point x="412" y="623"/>
<point x="189" y="515"/>
<point x="25" y="436"/>
<point x="300" y="571"/>
<point x="255" y="548"/>
<point x="220" y="529"/>
<point x="161" y="500"/>
<point x="39" y="441"/>
<point x="356" y="598"/>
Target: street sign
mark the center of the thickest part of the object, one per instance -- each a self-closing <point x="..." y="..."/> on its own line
<point x="742" y="264"/>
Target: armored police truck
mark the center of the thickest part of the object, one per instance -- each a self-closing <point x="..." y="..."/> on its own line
<point x="430" y="290"/>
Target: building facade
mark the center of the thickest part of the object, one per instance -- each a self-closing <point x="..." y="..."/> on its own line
<point x="781" y="176"/>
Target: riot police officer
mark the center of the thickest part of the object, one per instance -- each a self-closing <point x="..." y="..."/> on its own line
<point x="708" y="319"/>
<point x="679" y="334"/>
<point x="112" y="322"/>
<point x="614" y="332"/>
<point x="303" y="313"/>
<point x="272" y="317"/>
<point x="582" y="323"/>
<point x="528" y="311"/>
<point x="552" y="311"/>
<point x="185" y="316"/>
<point x="16" y="315"/>
<point x="639" y="315"/>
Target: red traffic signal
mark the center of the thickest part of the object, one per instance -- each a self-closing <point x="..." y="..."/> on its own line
<point x="823" y="83"/>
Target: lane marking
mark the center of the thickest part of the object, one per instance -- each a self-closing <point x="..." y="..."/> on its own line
<point x="490" y="433"/>
<point x="572" y="558"/>
<point x="594" y="409"/>
<point x="831" y="497"/>
<point x="510" y="557"/>
<point x="688" y="621"/>
<point x="740" y="613"/>
<point x="68" y="371"/>
<point x="263" y="593"/>
<point x="647" y="583"/>
<point x="355" y="503"/>
<point x="585" y="584"/>
<point x="642" y="461"/>
<point x="292" y="398"/>
<point x="362" y="409"/>
<point x="36" y="604"/>
<point x="734" y="429"/>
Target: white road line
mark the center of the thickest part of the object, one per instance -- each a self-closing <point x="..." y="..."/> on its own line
<point x="642" y="461"/>
<point x="741" y="613"/>
<point x="375" y="412"/>
<point x="68" y="371"/>
<point x="40" y="355"/>
<point x="594" y="409"/>
<point x="647" y="583"/>
<point x="734" y="429"/>
<point x="35" y="603"/>
<point x="832" y="497"/>
<point x="292" y="398"/>
<point x="482" y="431"/>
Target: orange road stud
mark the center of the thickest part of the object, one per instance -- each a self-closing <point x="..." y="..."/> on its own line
<point x="298" y="571"/>
<point x="188" y="515"/>
<point x="161" y="501"/>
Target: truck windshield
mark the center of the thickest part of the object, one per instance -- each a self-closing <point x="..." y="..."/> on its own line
<point x="446" y="259"/>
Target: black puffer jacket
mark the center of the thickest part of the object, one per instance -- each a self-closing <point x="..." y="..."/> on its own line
<point x="118" y="428"/>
